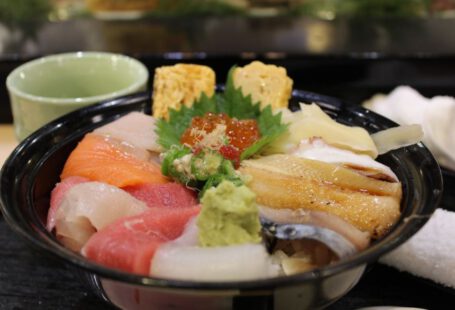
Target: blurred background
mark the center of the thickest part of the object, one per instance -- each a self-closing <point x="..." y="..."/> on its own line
<point x="350" y="49"/>
<point x="345" y="48"/>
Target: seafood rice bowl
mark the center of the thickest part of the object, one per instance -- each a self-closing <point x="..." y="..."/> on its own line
<point x="252" y="193"/>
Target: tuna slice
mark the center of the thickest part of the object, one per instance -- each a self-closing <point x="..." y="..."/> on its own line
<point x="135" y="128"/>
<point x="100" y="158"/>
<point x="57" y="195"/>
<point x="129" y="244"/>
<point x="171" y="195"/>
<point x="89" y="207"/>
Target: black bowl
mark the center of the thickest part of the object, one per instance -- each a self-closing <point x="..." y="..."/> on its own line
<point x="448" y="198"/>
<point x="31" y="171"/>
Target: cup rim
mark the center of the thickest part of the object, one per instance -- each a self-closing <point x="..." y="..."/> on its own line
<point x="142" y="78"/>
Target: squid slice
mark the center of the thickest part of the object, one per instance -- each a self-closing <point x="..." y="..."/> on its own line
<point x="317" y="149"/>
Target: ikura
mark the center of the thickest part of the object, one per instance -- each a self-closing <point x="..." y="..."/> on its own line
<point x="240" y="134"/>
<point x="232" y="153"/>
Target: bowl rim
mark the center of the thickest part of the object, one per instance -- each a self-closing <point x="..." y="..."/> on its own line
<point x="142" y="73"/>
<point x="402" y="231"/>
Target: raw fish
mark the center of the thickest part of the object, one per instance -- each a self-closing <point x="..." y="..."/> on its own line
<point x="90" y="206"/>
<point x="190" y="235"/>
<point x="98" y="158"/>
<point x="178" y="260"/>
<point x="171" y="195"/>
<point x="317" y="149"/>
<point x="135" y="128"/>
<point x="358" y="238"/>
<point x="57" y="195"/>
<point x="130" y="243"/>
<point x="182" y="259"/>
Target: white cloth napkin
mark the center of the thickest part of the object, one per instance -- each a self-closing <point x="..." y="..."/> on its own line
<point x="406" y="106"/>
<point x="430" y="253"/>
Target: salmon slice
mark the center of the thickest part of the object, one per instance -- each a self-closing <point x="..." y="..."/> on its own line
<point x="97" y="159"/>
<point x="289" y="182"/>
<point x="129" y="244"/>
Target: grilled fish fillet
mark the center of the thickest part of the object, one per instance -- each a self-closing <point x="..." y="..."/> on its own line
<point x="286" y="181"/>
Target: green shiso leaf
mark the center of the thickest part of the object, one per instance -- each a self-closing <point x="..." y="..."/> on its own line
<point x="271" y="125"/>
<point x="169" y="132"/>
<point x="233" y="103"/>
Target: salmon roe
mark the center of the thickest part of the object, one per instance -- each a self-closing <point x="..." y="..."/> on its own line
<point x="240" y="134"/>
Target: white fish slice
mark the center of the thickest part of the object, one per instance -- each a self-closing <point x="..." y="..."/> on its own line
<point x="227" y="263"/>
<point x="183" y="259"/>
<point x="88" y="207"/>
<point x="135" y="128"/>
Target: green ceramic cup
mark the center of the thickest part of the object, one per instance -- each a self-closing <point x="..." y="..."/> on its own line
<point x="46" y="88"/>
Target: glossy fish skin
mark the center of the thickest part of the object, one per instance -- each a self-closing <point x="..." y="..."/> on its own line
<point x="285" y="181"/>
<point x="334" y="241"/>
<point x="358" y="238"/>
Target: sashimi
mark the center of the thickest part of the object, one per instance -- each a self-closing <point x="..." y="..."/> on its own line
<point x="129" y="244"/>
<point x="90" y="206"/>
<point x="97" y="159"/>
<point x="57" y="196"/>
<point x="171" y="195"/>
<point x="177" y="198"/>
<point x="183" y="259"/>
<point x="227" y="263"/>
<point x="135" y="128"/>
<point x="317" y="149"/>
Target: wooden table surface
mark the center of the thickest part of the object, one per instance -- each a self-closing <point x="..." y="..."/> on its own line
<point x="7" y="141"/>
<point x="30" y="279"/>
